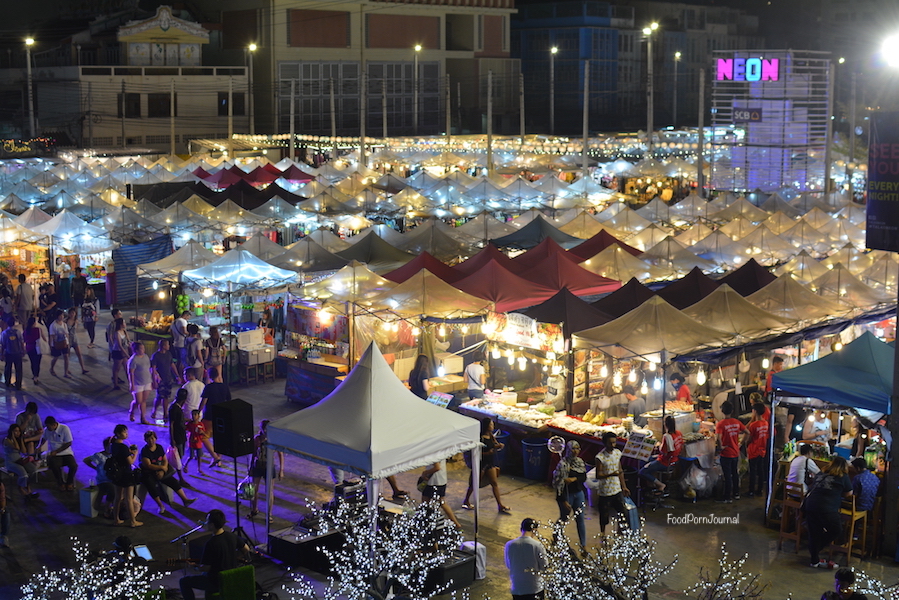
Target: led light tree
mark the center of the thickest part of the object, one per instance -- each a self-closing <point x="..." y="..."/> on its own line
<point x="94" y="577"/>
<point x="376" y="557"/>
<point x="731" y="583"/>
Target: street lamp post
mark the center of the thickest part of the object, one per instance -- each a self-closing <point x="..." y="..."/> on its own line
<point x="648" y="31"/>
<point x="674" y="101"/>
<point x="415" y="89"/>
<point x="251" y="49"/>
<point x="552" y="90"/>
<point x="29" y="42"/>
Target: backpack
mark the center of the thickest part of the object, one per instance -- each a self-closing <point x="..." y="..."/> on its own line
<point x="88" y="315"/>
<point x="113" y="469"/>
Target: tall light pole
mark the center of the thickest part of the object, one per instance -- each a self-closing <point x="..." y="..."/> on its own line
<point x="648" y="31"/>
<point x="674" y="102"/>
<point x="415" y="89"/>
<point x="29" y="42"/>
<point x="251" y="49"/>
<point x="552" y="90"/>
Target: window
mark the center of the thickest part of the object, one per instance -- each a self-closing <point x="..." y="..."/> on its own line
<point x="131" y="105"/>
<point x="159" y="105"/>
<point x="239" y="109"/>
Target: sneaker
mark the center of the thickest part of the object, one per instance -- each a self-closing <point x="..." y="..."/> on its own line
<point x="736" y="496"/>
<point x="825" y="564"/>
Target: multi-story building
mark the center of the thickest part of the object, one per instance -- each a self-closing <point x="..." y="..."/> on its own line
<point x="610" y="35"/>
<point x="127" y="83"/>
<point x="399" y="58"/>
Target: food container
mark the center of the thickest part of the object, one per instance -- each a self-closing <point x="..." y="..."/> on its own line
<point x="509" y="398"/>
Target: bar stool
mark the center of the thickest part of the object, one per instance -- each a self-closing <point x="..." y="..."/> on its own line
<point x="268" y="372"/>
<point x="851" y="516"/>
<point x="792" y="500"/>
<point x="249" y="374"/>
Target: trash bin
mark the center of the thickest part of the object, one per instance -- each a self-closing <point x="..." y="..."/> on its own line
<point x="535" y="456"/>
<point x="500" y="458"/>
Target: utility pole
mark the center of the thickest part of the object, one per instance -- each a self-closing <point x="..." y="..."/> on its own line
<point x="172" y="119"/>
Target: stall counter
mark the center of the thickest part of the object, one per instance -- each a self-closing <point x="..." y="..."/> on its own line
<point x="308" y="381"/>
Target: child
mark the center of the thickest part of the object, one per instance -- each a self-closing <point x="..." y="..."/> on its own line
<point x="757" y="449"/>
<point x="194" y="389"/>
<point x="198" y="439"/>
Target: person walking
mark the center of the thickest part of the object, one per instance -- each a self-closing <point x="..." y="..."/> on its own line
<point x="568" y="482"/>
<point x="165" y="377"/>
<point x="610" y="485"/>
<point x="177" y="429"/>
<point x="214" y="350"/>
<point x="822" y="509"/>
<point x="179" y="335"/>
<point x="526" y="559"/>
<point x="13" y="346"/>
<point x="59" y="342"/>
<point x="60" y="454"/>
<point x="33" y="336"/>
<point x="489" y="469"/>
<point x="90" y="308"/>
<point x="79" y="288"/>
<point x="71" y="325"/>
<point x="140" y="382"/>
<point x="119" y="343"/>
<point x="24" y="299"/>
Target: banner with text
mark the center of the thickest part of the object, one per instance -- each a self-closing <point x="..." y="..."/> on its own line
<point x="883" y="183"/>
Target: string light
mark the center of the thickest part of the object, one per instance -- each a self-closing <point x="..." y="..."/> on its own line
<point x="644" y="389"/>
<point x="732" y="580"/>
<point x="766" y="363"/>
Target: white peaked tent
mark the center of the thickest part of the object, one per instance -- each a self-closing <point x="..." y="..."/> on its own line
<point x="262" y="247"/>
<point x="238" y="270"/>
<point x="373" y="426"/>
<point x="189" y="256"/>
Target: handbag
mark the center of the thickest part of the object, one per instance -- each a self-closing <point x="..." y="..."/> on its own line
<point x="61" y="344"/>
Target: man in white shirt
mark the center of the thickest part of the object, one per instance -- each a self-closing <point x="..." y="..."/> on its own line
<point x="435" y="480"/>
<point x="60" y="453"/>
<point x="24" y="299"/>
<point x="525" y="559"/>
<point x="803" y="468"/>
<point x="179" y="335"/>
<point x="475" y="378"/>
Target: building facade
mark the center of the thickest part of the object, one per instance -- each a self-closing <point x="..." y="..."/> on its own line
<point x="315" y="54"/>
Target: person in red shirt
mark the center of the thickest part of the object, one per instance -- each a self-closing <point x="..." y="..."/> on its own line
<point x="683" y="392"/>
<point x="729" y="432"/>
<point x="669" y="450"/>
<point x="757" y="449"/>
<point x="777" y="365"/>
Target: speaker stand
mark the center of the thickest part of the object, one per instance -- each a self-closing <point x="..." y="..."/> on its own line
<point x="238" y="530"/>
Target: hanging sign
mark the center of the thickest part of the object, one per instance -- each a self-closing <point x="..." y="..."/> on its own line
<point x="516" y="329"/>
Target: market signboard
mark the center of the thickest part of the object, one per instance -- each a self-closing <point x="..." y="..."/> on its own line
<point x="516" y="329"/>
<point x="883" y="183"/>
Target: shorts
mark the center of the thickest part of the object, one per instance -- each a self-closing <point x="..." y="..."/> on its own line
<point x="433" y="491"/>
<point x="117" y="355"/>
<point x="164" y="390"/>
<point x="142" y="388"/>
<point x="472" y="394"/>
<point x="59" y="352"/>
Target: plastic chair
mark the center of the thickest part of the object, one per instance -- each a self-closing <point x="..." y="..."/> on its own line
<point x="792" y="500"/>
<point x="236" y="584"/>
<point x="851" y="516"/>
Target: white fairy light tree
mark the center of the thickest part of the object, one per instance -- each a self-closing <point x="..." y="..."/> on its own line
<point x="398" y="554"/>
<point x="94" y="577"/>
<point x="731" y="583"/>
<point x="873" y="588"/>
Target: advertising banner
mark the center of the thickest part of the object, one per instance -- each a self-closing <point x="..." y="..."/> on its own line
<point x="883" y="183"/>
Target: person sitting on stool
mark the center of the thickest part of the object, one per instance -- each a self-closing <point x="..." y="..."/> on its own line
<point x="219" y="554"/>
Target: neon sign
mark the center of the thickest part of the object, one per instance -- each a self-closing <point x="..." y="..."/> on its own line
<point x="748" y="69"/>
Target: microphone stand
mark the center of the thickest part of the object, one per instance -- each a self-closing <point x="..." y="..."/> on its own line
<point x="183" y="552"/>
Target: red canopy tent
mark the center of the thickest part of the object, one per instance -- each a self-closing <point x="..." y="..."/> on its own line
<point x="504" y="288"/>
<point x="425" y="261"/>
<point x="557" y="271"/>
<point x="599" y="242"/>
<point x="490" y="252"/>
<point x="548" y="247"/>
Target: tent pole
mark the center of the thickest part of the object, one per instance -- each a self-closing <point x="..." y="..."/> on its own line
<point x="269" y="492"/>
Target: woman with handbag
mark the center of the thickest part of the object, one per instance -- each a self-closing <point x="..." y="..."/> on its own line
<point x="215" y="350"/>
<point x="18" y="461"/>
<point x="121" y="473"/>
<point x="489" y="469"/>
<point x="822" y="509"/>
<point x="59" y="342"/>
<point x="568" y="481"/>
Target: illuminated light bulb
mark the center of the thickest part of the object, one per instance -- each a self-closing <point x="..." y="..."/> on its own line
<point x="494" y="354"/>
<point x="207" y="292"/>
<point x="644" y="389"/>
<point x="464" y="329"/>
<point x="415" y="331"/>
<point x="550" y="355"/>
<point x="811" y="418"/>
<point x="544" y="368"/>
<point x="441" y="370"/>
<point x="488" y="328"/>
<point x="161" y="295"/>
<point x="511" y="359"/>
<point x="534" y="361"/>
<point x="838" y="346"/>
<point x="604" y="371"/>
<point x="558" y="346"/>
<point x="632" y="376"/>
<point x="657" y="384"/>
<point x="441" y="331"/>
<point x="700" y="377"/>
<point x="556" y="369"/>
<point x="522" y="363"/>
<point x="616" y="379"/>
<point x="155" y="285"/>
<point x="652" y="365"/>
<point x="766" y="363"/>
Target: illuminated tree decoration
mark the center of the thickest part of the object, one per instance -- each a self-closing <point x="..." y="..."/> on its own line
<point x="94" y="577"/>
<point x="731" y="583"/>
<point x="380" y="554"/>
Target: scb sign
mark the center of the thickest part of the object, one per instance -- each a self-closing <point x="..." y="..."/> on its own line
<point x="748" y="69"/>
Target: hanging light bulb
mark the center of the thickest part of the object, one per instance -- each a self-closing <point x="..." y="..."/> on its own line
<point x="644" y="389"/>
<point x="415" y="331"/>
<point x="162" y="295"/>
<point x="544" y="368"/>
<point x="766" y="363"/>
<point x="616" y="378"/>
<point x="838" y="346"/>
<point x="632" y="376"/>
<point x="441" y="331"/>
<point x="494" y="354"/>
<point x="700" y="377"/>
<point x="511" y="358"/>
<point x="550" y="355"/>
<point x="522" y="363"/>
<point x="604" y="371"/>
<point x="488" y="328"/>
<point x="465" y="330"/>
<point x="441" y="370"/>
<point x="207" y="292"/>
<point x="652" y="365"/>
<point x="556" y="369"/>
<point x="657" y="384"/>
<point x="155" y="285"/>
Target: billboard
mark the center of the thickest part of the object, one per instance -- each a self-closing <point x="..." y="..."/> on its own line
<point x="883" y="183"/>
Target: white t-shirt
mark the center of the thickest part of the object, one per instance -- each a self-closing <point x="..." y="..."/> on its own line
<point x="57" y="438"/>
<point x="608" y="463"/>
<point x="194" y="389"/>
<point x="439" y="478"/>
<point x="179" y="327"/>
<point x="473" y="374"/>
<point x="798" y="468"/>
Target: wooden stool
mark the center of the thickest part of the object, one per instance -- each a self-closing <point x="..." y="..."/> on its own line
<point x="249" y="374"/>
<point x="792" y="500"/>
<point x="268" y="372"/>
<point x="851" y="516"/>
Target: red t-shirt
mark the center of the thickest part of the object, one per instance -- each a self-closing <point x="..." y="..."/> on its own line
<point x="758" y="439"/>
<point x="683" y="393"/>
<point x="668" y="456"/>
<point x="728" y="431"/>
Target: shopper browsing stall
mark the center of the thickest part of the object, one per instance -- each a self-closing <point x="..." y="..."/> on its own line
<point x="730" y="432"/>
